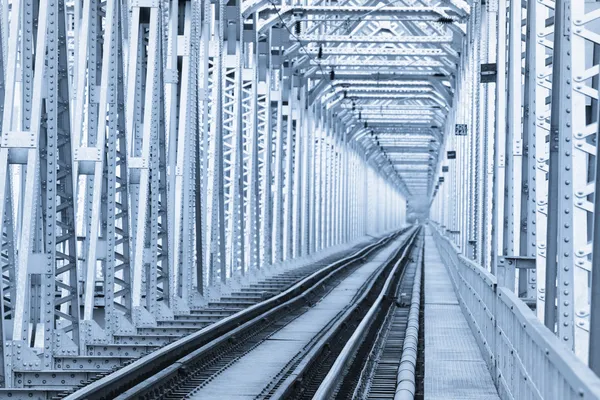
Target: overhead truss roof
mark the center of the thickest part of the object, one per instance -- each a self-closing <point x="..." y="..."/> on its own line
<point x="385" y="68"/>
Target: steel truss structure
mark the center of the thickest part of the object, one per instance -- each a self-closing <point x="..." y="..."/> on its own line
<point x="156" y="153"/>
<point x="518" y="198"/>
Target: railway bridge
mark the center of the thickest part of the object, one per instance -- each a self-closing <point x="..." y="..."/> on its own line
<point x="299" y="199"/>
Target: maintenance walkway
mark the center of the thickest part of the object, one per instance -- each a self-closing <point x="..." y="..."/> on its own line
<point x="454" y="366"/>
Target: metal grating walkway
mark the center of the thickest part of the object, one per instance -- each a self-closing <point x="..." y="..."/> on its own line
<point x="454" y="367"/>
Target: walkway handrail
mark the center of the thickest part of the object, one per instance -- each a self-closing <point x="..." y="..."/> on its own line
<point x="526" y="360"/>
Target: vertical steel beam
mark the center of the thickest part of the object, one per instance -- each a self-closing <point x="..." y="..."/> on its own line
<point x="203" y="229"/>
<point x="297" y="172"/>
<point x="265" y="111"/>
<point x="215" y="192"/>
<point x="181" y="143"/>
<point x="584" y="60"/>
<point x="559" y="260"/>
<point x="513" y="147"/>
<point x="499" y="137"/>
<point x="288" y="183"/>
<point x="544" y="36"/>
<point x="279" y="172"/>
<point x="527" y="279"/>
<point x="594" y="333"/>
<point x="305" y="137"/>
<point x="256" y="109"/>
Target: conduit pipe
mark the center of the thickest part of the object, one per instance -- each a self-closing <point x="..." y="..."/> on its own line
<point x="406" y="379"/>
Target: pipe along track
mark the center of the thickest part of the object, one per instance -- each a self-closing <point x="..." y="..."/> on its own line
<point x="175" y="370"/>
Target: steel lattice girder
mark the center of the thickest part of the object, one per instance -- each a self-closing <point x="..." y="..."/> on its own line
<point x="378" y="51"/>
<point x="199" y="153"/>
<point x="403" y="161"/>
<point x="327" y="39"/>
<point x="196" y="160"/>
<point x="342" y="13"/>
<point x="520" y="185"/>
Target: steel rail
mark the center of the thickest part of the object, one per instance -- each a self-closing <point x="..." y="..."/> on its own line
<point x="170" y="360"/>
<point x="298" y="378"/>
<point x="336" y="374"/>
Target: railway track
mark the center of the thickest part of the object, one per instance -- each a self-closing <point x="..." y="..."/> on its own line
<point x="377" y="377"/>
<point x="378" y="362"/>
<point x="180" y="368"/>
<point x="103" y="359"/>
<point x="302" y="379"/>
<point x="365" y="365"/>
